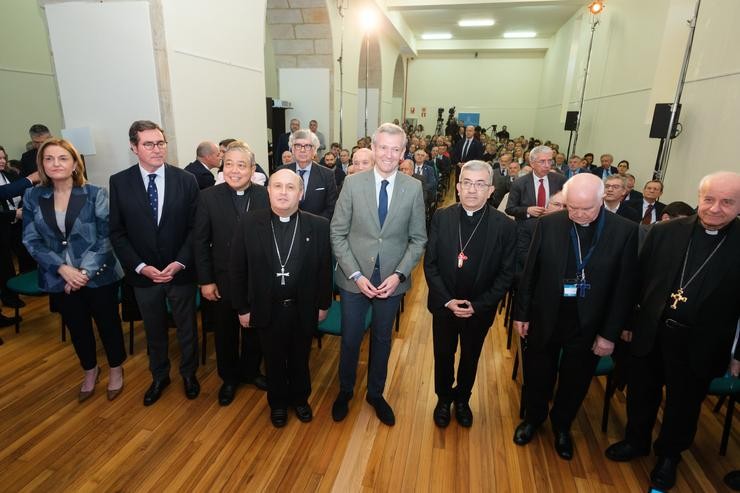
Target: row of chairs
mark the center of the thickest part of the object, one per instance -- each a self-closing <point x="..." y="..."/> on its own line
<point x="726" y="389"/>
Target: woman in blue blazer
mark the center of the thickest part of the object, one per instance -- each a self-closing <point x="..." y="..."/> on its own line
<point x="65" y="228"/>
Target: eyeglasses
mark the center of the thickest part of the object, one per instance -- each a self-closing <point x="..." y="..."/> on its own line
<point x="544" y="161"/>
<point x="478" y="186"/>
<point x="162" y="144"/>
<point x="303" y="147"/>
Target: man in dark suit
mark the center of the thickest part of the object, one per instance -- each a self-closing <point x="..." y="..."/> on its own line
<point x="614" y="189"/>
<point x="283" y="143"/>
<point x="466" y="282"/>
<point x="441" y="162"/>
<point x="219" y="212"/>
<point x="341" y="169"/>
<point x="378" y="234"/>
<point x="685" y="325"/>
<point x="208" y="157"/>
<point x="430" y="176"/>
<point x="466" y="149"/>
<point x="650" y="208"/>
<point x="38" y="134"/>
<point x="530" y="194"/>
<point x="319" y="182"/>
<point x="572" y="167"/>
<point x="152" y="210"/>
<point x="572" y="306"/>
<point x="281" y="284"/>
<point x="632" y="194"/>
<point x="606" y="169"/>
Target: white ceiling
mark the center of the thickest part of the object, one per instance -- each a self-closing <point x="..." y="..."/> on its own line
<point x="544" y="17"/>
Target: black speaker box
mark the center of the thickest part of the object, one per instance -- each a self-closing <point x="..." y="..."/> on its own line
<point x="661" y="118"/>
<point x="571" y="120"/>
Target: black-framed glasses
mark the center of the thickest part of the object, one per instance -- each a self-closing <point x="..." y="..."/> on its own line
<point x="475" y="185"/>
<point x="303" y="147"/>
<point x="149" y="146"/>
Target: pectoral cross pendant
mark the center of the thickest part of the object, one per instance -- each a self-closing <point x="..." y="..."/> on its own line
<point x="282" y="275"/>
<point x="678" y="296"/>
<point x="461" y="258"/>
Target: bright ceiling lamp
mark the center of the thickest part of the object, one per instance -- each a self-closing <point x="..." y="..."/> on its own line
<point x="436" y="36"/>
<point x="520" y="34"/>
<point x="596" y="7"/>
<point x="476" y="23"/>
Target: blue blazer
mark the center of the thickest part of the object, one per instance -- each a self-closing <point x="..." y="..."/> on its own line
<point x="86" y="243"/>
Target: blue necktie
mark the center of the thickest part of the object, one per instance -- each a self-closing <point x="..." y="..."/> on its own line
<point x="151" y="191"/>
<point x="383" y="202"/>
<point x="302" y="172"/>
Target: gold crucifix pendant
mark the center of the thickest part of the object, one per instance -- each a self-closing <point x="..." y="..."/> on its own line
<point x="678" y="296"/>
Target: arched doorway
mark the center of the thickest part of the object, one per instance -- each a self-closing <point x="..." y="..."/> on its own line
<point x="399" y="82"/>
<point x="368" y="86"/>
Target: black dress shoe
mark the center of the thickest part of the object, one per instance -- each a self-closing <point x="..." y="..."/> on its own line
<point x="260" y="381"/>
<point x="442" y="414"/>
<point x="155" y="390"/>
<point x="383" y="410"/>
<point x="663" y="475"/>
<point x="624" y="451"/>
<point x="8" y="321"/>
<point x="732" y="479"/>
<point x="524" y="433"/>
<point x="304" y="412"/>
<point x="14" y="302"/>
<point x="192" y="387"/>
<point x="340" y="408"/>
<point x="226" y="393"/>
<point x="463" y="414"/>
<point x="564" y="444"/>
<point x="279" y="416"/>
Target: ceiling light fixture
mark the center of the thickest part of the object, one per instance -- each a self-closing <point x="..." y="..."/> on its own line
<point x="436" y="36"/>
<point x="476" y="23"/>
<point x="596" y="7"/>
<point x="520" y="34"/>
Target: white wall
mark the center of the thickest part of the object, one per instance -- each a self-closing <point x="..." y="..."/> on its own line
<point x="29" y="92"/>
<point x="216" y="61"/>
<point x="104" y="58"/>
<point x="637" y="53"/>
<point x="307" y="89"/>
<point x="373" y="114"/>
<point x="504" y="89"/>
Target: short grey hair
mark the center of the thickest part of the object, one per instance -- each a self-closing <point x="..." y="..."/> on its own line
<point x="717" y="174"/>
<point x="621" y="179"/>
<point x="537" y="151"/>
<point x="206" y="149"/>
<point x="242" y="147"/>
<point x="304" y="133"/>
<point x="390" y="129"/>
<point x="476" y="165"/>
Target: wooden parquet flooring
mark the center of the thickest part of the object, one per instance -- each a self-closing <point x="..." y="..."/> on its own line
<point x="49" y="442"/>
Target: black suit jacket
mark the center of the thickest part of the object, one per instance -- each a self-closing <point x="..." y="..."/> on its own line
<point x="339" y="174"/>
<point x="252" y="274"/>
<point x="496" y="268"/>
<point x="502" y="186"/>
<point x="661" y="260"/>
<point x="443" y="164"/>
<point x="321" y="192"/>
<point x="474" y="152"/>
<point x="599" y="171"/>
<point x="137" y="238"/>
<point x="628" y="212"/>
<point x="636" y="206"/>
<point x="28" y="162"/>
<point x="280" y="148"/>
<point x="633" y="196"/>
<point x="611" y="272"/>
<point x="204" y="177"/>
<point x="523" y="194"/>
<point x="215" y="223"/>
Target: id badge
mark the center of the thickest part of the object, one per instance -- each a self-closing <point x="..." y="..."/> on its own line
<point x="570" y="288"/>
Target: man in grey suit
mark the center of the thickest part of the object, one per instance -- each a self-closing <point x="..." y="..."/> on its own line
<point x="529" y="196"/>
<point x="378" y="235"/>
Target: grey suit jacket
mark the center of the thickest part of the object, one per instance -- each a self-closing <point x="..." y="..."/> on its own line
<point x="357" y="238"/>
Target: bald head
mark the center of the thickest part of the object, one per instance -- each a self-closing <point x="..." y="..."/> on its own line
<point x="584" y="194"/>
<point x="285" y="189"/>
<point x="362" y="160"/>
<point x="719" y="199"/>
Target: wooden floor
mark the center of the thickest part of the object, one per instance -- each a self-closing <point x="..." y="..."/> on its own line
<point x="49" y="442"/>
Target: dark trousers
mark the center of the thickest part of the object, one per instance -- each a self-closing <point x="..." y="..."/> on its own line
<point x="152" y="303"/>
<point x="7" y="269"/>
<point x="354" y="310"/>
<point x="447" y="329"/>
<point x="79" y="308"/>
<point x="286" y="349"/>
<point x="238" y="358"/>
<point x="573" y="373"/>
<point x="667" y="364"/>
<point x="26" y="263"/>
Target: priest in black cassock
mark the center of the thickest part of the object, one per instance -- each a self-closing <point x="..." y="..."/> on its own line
<point x="219" y="210"/>
<point x="685" y="326"/>
<point x="469" y="265"/>
<point x="281" y="284"/>
<point x="574" y="299"/>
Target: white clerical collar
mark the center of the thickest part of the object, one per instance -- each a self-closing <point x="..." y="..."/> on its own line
<point x="712" y="232"/>
<point x="472" y="213"/>
<point x="284" y="219"/>
<point x="240" y="192"/>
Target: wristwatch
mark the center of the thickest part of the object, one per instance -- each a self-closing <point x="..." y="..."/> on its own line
<point x="401" y="276"/>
